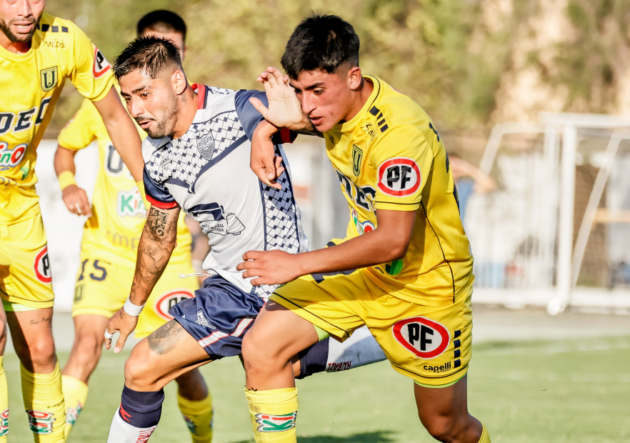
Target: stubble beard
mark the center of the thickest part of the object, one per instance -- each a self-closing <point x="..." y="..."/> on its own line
<point x="6" y="30"/>
<point x="166" y="125"/>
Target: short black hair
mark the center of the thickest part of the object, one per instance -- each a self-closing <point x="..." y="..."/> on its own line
<point x="150" y="54"/>
<point x="320" y="42"/>
<point x="162" y="21"/>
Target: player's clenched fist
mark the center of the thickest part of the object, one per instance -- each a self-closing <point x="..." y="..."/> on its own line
<point x="76" y="200"/>
<point x="270" y="267"/>
<point x="124" y="324"/>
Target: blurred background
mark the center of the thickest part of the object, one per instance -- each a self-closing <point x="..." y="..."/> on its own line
<point x="532" y="100"/>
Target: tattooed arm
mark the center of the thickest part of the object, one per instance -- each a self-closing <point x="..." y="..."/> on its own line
<point x="154" y="250"/>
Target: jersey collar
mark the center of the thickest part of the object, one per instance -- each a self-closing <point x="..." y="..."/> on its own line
<point x="352" y="123"/>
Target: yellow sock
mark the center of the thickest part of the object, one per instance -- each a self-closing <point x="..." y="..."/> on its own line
<point x="4" y="404"/>
<point x="273" y="414"/>
<point x="485" y="437"/>
<point x="198" y="416"/>
<point x="75" y="394"/>
<point x="43" y="400"/>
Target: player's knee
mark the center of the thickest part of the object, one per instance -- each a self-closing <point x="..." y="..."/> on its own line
<point x="3" y="335"/>
<point x="88" y="348"/>
<point x="443" y="428"/>
<point x="141" y="370"/>
<point x="257" y="356"/>
<point x="41" y="356"/>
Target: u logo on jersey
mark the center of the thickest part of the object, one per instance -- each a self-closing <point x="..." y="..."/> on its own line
<point x="48" y="78"/>
<point x="42" y="267"/>
<point x="357" y="156"/>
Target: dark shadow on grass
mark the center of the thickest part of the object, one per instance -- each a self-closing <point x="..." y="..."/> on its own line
<point x="364" y="437"/>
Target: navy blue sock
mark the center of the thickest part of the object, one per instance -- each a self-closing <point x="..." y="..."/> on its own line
<point x="314" y="359"/>
<point x="141" y="409"/>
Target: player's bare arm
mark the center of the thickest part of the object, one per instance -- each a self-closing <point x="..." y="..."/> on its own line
<point x="389" y="241"/>
<point x="74" y="197"/>
<point x="122" y="132"/>
<point x="284" y="111"/>
<point x="154" y="250"/>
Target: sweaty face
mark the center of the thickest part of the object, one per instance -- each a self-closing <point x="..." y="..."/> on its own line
<point x="18" y="18"/>
<point x="325" y="97"/>
<point x="151" y="102"/>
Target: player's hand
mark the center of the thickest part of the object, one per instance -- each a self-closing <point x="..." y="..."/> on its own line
<point x="270" y="267"/>
<point x="263" y="161"/>
<point x="285" y="110"/>
<point x="124" y="324"/>
<point x="76" y="200"/>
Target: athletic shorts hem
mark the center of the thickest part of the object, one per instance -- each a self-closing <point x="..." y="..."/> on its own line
<point x="433" y="382"/>
<point x="34" y="304"/>
<point x="292" y="306"/>
<point x="441" y="386"/>
<point x="91" y="311"/>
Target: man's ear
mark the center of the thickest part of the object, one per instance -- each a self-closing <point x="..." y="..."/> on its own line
<point x="354" y="77"/>
<point x="179" y="82"/>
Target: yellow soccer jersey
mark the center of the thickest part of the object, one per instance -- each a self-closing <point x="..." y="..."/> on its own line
<point x="390" y="157"/>
<point x="118" y="212"/>
<point x="30" y="86"/>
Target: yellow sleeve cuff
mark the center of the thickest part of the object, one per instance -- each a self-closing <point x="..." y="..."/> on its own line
<point x="66" y="178"/>
<point x="389" y="206"/>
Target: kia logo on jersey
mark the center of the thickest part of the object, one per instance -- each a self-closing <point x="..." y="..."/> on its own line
<point x="425" y="338"/>
<point x="170" y="299"/>
<point x="43" y="272"/>
<point x="399" y="177"/>
<point x="101" y="65"/>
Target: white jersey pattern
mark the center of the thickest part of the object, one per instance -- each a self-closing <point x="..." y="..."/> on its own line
<point x="206" y="172"/>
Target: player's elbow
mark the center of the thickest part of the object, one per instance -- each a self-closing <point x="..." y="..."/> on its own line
<point x="395" y="249"/>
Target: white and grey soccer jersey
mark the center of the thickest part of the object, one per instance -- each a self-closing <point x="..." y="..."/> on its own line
<point x="207" y="173"/>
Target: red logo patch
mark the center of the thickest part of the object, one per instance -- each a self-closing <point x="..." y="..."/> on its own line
<point x="170" y="299"/>
<point x="101" y="65"/>
<point x="399" y="177"/>
<point x="42" y="268"/>
<point x="425" y="338"/>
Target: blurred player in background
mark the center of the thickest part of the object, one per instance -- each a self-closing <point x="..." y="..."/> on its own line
<point x="469" y="180"/>
<point x="108" y="254"/>
<point x="38" y="52"/>
<point x="408" y="277"/>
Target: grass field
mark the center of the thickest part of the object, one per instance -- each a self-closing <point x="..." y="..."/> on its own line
<point x="562" y="391"/>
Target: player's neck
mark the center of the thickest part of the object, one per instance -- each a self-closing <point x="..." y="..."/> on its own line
<point x="14" y="47"/>
<point x="360" y="97"/>
<point x="187" y="112"/>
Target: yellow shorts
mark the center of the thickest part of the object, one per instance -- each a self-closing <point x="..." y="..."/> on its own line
<point x="25" y="268"/>
<point x="103" y="287"/>
<point x="431" y="345"/>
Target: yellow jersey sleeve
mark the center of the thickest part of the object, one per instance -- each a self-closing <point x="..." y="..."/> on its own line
<point x="92" y="74"/>
<point x="401" y="160"/>
<point x="79" y="132"/>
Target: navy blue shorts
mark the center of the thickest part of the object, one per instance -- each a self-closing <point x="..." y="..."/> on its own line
<point x="218" y="316"/>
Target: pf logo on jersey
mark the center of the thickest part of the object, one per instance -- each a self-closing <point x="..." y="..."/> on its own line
<point x="425" y="338"/>
<point x="399" y="177"/>
<point x="170" y="299"/>
<point x="101" y="65"/>
<point x="43" y="272"/>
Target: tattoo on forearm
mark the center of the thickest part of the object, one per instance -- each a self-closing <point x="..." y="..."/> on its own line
<point x="165" y="338"/>
<point x="156" y="222"/>
<point x="154" y="250"/>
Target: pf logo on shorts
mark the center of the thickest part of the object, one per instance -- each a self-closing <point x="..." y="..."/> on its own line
<point x="43" y="272"/>
<point x="168" y="300"/>
<point x="399" y="177"/>
<point x="425" y="338"/>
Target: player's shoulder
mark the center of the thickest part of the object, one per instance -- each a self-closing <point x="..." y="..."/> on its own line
<point x="55" y="30"/>
<point x="151" y="145"/>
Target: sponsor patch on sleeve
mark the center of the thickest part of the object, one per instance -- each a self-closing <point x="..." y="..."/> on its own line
<point x="101" y="65"/>
<point x="399" y="177"/>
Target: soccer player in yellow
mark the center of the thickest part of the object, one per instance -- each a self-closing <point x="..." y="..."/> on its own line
<point x="108" y="255"/>
<point x="404" y="268"/>
<point x="38" y="52"/>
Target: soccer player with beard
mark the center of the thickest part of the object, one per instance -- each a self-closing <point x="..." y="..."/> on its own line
<point x="38" y="52"/>
<point x="108" y="255"/>
<point x="197" y="159"/>
<point x="404" y="269"/>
